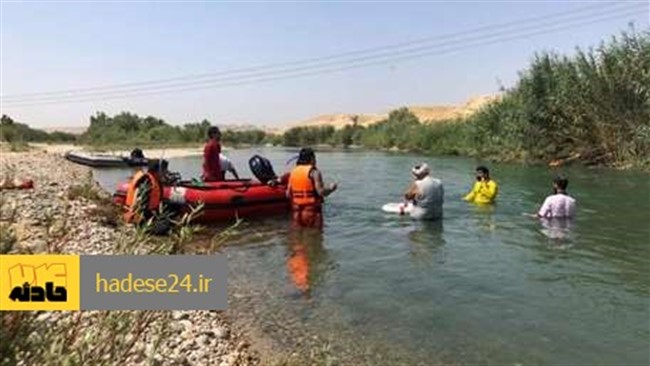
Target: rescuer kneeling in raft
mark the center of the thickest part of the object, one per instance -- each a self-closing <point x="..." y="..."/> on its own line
<point x="307" y="191"/>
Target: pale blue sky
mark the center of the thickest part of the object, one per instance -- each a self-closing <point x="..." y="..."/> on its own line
<point x="67" y="45"/>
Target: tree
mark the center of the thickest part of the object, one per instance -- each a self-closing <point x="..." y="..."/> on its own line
<point x="6" y="120"/>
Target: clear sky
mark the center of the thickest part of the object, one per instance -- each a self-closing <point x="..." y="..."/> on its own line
<point x="55" y="46"/>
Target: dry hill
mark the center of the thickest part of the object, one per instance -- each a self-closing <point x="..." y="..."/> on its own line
<point x="72" y="130"/>
<point x="424" y="114"/>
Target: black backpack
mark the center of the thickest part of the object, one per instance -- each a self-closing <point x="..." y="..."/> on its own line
<point x="262" y="169"/>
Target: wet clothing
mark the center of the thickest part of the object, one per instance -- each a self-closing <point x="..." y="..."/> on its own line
<point x="306" y="204"/>
<point x="429" y="199"/>
<point x="558" y="205"/>
<point x="225" y="165"/>
<point x="307" y="216"/>
<point x="483" y="192"/>
<point x="139" y="206"/>
<point x="211" y="164"/>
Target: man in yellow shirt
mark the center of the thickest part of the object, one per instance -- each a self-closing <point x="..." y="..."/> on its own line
<point x="485" y="190"/>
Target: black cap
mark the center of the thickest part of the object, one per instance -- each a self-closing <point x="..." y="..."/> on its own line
<point x="213" y="131"/>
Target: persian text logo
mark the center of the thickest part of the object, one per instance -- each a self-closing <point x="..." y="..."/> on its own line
<point x="39" y="282"/>
<point x="31" y="289"/>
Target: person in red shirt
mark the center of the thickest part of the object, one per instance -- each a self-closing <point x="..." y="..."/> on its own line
<point x="211" y="151"/>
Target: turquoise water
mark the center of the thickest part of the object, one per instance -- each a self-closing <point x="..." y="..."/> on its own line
<point x="484" y="285"/>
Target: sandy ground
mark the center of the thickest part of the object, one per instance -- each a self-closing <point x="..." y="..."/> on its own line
<point x="60" y="149"/>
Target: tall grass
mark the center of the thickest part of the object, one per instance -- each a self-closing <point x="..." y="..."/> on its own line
<point x="593" y="106"/>
<point x="90" y="337"/>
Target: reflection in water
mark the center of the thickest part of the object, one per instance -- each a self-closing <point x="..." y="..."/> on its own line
<point x="484" y="286"/>
<point x="306" y="258"/>
<point x="425" y="240"/>
<point x="556" y="228"/>
<point x="484" y="216"/>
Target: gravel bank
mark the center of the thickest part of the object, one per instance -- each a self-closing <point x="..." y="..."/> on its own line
<point x="62" y="214"/>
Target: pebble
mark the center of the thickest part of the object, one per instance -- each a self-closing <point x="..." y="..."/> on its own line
<point x="39" y="215"/>
<point x="186" y="324"/>
<point x="43" y="317"/>
<point x="188" y="336"/>
<point x="139" y="347"/>
<point x="203" y="340"/>
<point x="221" y="333"/>
<point x="178" y="315"/>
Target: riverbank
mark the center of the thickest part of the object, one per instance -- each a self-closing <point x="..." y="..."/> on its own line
<point x="67" y="212"/>
<point x="171" y="152"/>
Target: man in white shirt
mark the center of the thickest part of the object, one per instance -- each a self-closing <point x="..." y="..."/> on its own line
<point x="226" y="166"/>
<point x="426" y="193"/>
<point x="560" y="204"/>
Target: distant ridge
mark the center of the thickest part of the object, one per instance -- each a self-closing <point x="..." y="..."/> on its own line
<point x="225" y="127"/>
<point x="72" y="130"/>
<point x="426" y="114"/>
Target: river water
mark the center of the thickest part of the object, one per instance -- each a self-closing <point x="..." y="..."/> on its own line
<point x="484" y="285"/>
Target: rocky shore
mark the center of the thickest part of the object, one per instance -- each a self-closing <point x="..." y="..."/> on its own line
<point x="66" y="212"/>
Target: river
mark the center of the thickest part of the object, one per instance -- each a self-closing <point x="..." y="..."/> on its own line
<point x="484" y="285"/>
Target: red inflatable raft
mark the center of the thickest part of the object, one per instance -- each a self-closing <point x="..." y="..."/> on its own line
<point x="223" y="201"/>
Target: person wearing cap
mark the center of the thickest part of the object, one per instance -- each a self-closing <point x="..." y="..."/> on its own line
<point x="559" y="204"/>
<point x="226" y="166"/>
<point x="307" y="191"/>
<point x="485" y="190"/>
<point x="211" y="151"/>
<point x="426" y="193"/>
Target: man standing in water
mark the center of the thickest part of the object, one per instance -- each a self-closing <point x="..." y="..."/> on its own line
<point x="426" y="193"/>
<point x="307" y="191"/>
<point x="211" y="151"/>
<point x="559" y="204"/>
<point x="485" y="190"/>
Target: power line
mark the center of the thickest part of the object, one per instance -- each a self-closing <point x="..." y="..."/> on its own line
<point x="187" y="80"/>
<point x="290" y="73"/>
<point x="316" y="72"/>
<point x="150" y="85"/>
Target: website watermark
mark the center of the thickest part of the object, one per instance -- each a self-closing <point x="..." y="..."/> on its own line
<point x="113" y="282"/>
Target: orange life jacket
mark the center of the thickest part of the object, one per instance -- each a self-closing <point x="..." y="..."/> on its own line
<point x="303" y="192"/>
<point x="155" y="196"/>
